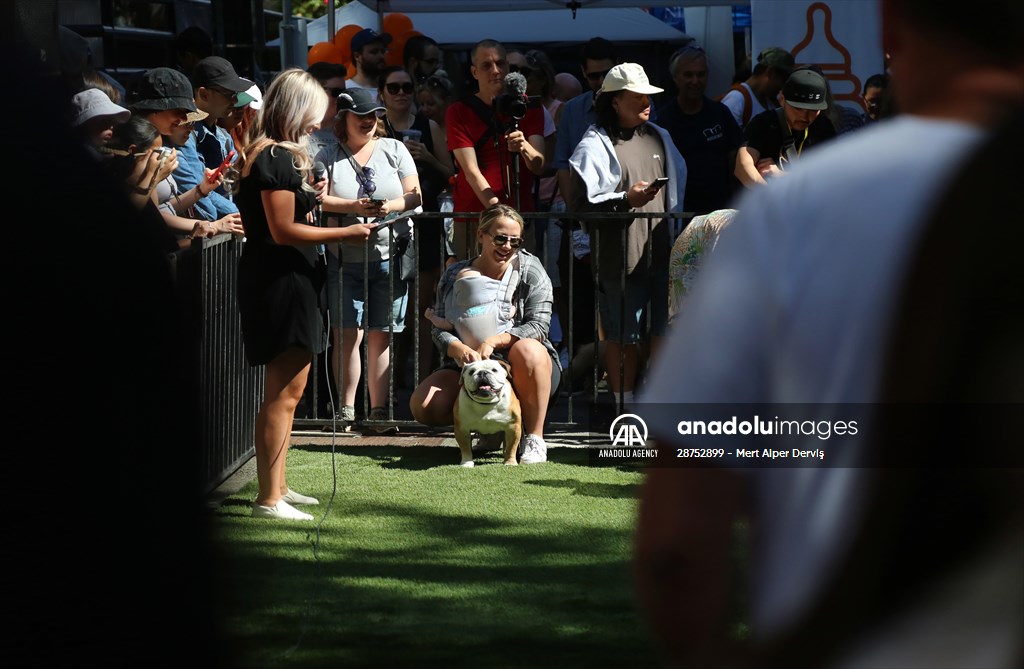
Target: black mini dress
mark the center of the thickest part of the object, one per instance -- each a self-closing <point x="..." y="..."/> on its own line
<point x="279" y="286"/>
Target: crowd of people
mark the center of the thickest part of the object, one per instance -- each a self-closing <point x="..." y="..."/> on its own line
<point x="325" y="171"/>
<point x="809" y="299"/>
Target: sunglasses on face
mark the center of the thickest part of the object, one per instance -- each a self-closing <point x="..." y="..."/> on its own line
<point x="231" y="95"/>
<point x="334" y="92"/>
<point x="501" y="240"/>
<point x="521" y="69"/>
<point x="597" y="76"/>
<point x="406" y="87"/>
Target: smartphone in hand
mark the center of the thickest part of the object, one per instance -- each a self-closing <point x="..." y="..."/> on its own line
<point x="656" y="185"/>
<point x="214" y="175"/>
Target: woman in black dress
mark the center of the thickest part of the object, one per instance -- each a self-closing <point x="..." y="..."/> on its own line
<point x="281" y="273"/>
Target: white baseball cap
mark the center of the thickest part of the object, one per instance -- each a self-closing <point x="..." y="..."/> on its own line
<point x="628" y="77"/>
<point x="93" y="102"/>
<point x="251" y="97"/>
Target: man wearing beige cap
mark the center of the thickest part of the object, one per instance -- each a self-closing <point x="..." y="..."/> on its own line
<point x="625" y="163"/>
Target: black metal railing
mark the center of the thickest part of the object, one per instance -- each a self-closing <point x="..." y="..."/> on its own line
<point x="318" y="413"/>
<point x="231" y="391"/>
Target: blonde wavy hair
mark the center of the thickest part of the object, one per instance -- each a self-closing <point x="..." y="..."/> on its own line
<point x="294" y="102"/>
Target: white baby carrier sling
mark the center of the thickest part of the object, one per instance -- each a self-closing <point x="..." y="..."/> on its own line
<point x="483" y="307"/>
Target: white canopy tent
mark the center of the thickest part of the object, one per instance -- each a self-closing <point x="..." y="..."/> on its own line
<point x="522" y="26"/>
<point x="459" y="24"/>
<point x="568" y="6"/>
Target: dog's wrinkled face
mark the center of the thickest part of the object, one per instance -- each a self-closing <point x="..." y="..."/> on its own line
<point x="484" y="380"/>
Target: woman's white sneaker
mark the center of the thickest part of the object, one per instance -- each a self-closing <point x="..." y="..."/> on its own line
<point x="293" y="497"/>
<point x="282" y="510"/>
<point x="534" y="450"/>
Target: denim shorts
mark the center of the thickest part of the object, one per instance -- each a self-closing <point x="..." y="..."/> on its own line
<point x="357" y="303"/>
<point x="642" y="286"/>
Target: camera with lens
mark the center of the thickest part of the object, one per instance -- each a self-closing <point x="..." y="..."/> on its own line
<point x="163" y="151"/>
<point x="508" y="107"/>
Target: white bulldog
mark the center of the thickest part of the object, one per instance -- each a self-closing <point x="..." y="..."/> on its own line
<point x="486" y="404"/>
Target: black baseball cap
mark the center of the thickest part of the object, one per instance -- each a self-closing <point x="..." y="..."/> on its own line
<point x="359" y="101"/>
<point x="217" y="71"/>
<point x="806" y="89"/>
<point x="163" y="88"/>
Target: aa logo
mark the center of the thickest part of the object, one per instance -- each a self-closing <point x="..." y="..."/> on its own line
<point x="628" y="430"/>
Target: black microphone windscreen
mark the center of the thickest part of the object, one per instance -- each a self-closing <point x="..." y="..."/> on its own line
<point x="516" y="84"/>
<point x="319" y="170"/>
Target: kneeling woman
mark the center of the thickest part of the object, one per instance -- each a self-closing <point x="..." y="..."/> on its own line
<point x="499" y="305"/>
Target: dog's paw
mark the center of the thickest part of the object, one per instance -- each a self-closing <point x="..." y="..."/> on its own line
<point x="467" y="463"/>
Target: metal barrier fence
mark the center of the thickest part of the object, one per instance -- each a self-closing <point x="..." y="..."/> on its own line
<point x="231" y="391"/>
<point x="318" y="409"/>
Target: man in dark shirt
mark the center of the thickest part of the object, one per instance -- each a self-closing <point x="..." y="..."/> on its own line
<point x="780" y="136"/>
<point x="703" y="130"/>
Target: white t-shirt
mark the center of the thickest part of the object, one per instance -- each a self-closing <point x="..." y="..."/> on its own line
<point x="795" y="305"/>
<point x="735" y="101"/>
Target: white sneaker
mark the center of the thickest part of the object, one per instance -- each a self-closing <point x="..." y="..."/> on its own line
<point x="534" y="450"/>
<point x="282" y="510"/>
<point x="293" y="497"/>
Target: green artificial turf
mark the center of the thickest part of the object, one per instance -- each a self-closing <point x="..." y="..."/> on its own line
<point x="422" y="563"/>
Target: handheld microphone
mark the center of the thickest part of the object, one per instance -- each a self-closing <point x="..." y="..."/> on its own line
<point x="319" y="170"/>
<point x="515" y="83"/>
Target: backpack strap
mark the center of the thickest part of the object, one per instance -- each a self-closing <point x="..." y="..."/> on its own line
<point x="487" y="116"/>
<point x="510" y="280"/>
<point x="748" y="103"/>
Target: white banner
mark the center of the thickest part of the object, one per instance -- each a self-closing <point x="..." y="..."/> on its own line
<point x="843" y="37"/>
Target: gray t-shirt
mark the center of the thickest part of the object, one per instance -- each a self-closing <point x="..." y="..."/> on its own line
<point x="391" y="162"/>
<point x="641" y="158"/>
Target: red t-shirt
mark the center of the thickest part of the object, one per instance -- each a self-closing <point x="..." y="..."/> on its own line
<point x="465" y="127"/>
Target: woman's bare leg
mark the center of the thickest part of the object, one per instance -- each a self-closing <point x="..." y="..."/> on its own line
<point x="286" y="377"/>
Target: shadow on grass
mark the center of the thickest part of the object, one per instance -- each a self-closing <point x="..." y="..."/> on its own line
<point x="612" y="490"/>
<point x="439" y="582"/>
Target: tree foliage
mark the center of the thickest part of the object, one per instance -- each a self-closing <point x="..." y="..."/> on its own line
<point x="312" y="9"/>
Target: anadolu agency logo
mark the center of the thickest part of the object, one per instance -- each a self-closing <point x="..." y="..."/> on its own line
<point x="628" y="431"/>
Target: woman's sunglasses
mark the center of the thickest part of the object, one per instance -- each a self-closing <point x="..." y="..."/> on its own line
<point x="406" y="88"/>
<point x="501" y="240"/>
<point x="366" y="185"/>
<point x="521" y="69"/>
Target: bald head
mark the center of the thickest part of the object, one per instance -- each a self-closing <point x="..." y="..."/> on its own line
<point x="567" y="86"/>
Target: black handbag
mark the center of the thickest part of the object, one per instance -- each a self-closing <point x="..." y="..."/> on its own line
<point x="405" y="254"/>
